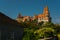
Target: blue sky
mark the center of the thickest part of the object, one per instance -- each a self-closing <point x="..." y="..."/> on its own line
<point x="11" y="8"/>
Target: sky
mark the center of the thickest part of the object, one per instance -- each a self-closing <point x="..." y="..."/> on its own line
<point x="12" y="8"/>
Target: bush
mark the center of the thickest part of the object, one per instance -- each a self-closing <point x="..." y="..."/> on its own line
<point x="44" y="33"/>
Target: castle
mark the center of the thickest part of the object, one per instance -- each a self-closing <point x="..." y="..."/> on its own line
<point x="45" y="17"/>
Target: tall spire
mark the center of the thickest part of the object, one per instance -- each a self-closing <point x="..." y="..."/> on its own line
<point x="19" y="15"/>
<point x="46" y="10"/>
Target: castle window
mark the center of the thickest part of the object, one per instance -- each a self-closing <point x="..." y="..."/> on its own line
<point x="47" y="16"/>
<point x="40" y="18"/>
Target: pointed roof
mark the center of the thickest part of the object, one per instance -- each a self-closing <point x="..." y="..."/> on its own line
<point x="19" y="15"/>
<point x="46" y="7"/>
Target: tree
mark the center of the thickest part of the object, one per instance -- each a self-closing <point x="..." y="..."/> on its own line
<point x="28" y="34"/>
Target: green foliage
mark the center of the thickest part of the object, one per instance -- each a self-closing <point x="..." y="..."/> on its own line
<point x="49" y="24"/>
<point x="57" y="28"/>
<point x="58" y="36"/>
<point x="35" y="31"/>
<point x="28" y="34"/>
<point x="45" y="32"/>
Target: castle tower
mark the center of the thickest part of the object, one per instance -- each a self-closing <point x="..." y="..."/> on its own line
<point x="19" y="15"/>
<point x="19" y="18"/>
<point x="46" y="10"/>
<point x="46" y="14"/>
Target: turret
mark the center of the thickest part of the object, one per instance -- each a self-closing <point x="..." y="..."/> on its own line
<point x="46" y="13"/>
<point x="19" y="18"/>
<point x="19" y="15"/>
<point x="46" y="10"/>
